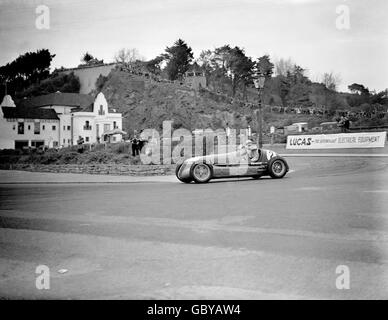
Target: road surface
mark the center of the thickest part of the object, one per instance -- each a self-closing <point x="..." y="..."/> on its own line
<point x="229" y="239"/>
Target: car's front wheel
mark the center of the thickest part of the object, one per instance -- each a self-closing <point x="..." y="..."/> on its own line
<point x="277" y="168"/>
<point x="201" y="173"/>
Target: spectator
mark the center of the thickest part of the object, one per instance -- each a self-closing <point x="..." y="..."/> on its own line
<point x="341" y="123"/>
<point x="135" y="146"/>
<point x="346" y="124"/>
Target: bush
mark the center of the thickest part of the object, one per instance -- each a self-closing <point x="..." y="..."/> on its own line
<point x="10" y="152"/>
<point x="68" y="156"/>
<point x="98" y="157"/>
<point x="49" y="157"/>
<point x="120" y="148"/>
<point x="115" y="153"/>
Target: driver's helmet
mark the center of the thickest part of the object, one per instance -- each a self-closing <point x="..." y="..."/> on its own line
<point x="250" y="145"/>
<point x="252" y="150"/>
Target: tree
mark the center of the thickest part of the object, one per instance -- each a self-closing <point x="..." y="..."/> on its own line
<point x="154" y="65"/>
<point x="240" y="68"/>
<point x="283" y="66"/>
<point x="220" y="58"/>
<point x="27" y="69"/>
<point x="265" y="66"/>
<point x="127" y="56"/>
<point x="56" y="82"/>
<point x="100" y="82"/>
<point x="380" y="98"/>
<point x="359" y="89"/>
<point x="205" y="61"/>
<point x="233" y="63"/>
<point x="178" y="59"/>
<point x="297" y="75"/>
<point x="282" y="88"/>
<point x="331" y="81"/>
<point x="87" y="57"/>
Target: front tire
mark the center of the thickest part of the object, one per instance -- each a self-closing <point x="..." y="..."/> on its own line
<point x="277" y="168"/>
<point x="201" y="173"/>
<point x="185" y="180"/>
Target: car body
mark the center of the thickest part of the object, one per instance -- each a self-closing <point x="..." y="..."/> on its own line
<point x="247" y="161"/>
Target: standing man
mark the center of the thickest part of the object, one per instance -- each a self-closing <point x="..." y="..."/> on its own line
<point x="135" y="146"/>
<point x="346" y="123"/>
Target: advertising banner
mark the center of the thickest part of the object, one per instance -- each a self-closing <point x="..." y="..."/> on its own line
<point x="337" y="141"/>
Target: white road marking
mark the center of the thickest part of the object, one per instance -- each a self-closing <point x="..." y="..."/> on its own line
<point x="310" y="189"/>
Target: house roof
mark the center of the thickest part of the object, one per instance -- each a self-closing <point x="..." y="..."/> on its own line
<point x="29" y="113"/>
<point x="31" y="108"/>
<point x="7" y="101"/>
<point x="81" y="101"/>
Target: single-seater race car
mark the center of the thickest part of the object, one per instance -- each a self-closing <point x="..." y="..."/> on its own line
<point x="247" y="161"/>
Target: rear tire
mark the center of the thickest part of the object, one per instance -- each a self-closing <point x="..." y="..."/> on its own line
<point x="185" y="180"/>
<point x="201" y="173"/>
<point x="277" y="168"/>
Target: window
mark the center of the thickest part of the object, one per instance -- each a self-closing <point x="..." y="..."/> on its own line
<point x="20" y="144"/>
<point x="68" y="128"/>
<point x="64" y="128"/>
<point x="87" y="126"/>
<point x="55" y="143"/>
<point x="101" y="112"/>
<point x="43" y="127"/>
<point x="37" y="143"/>
<point x="87" y="139"/>
<point x="29" y="127"/>
<point x="68" y="141"/>
<point x="21" y="128"/>
<point x="114" y="139"/>
<point x="37" y="128"/>
<point x="114" y="125"/>
<point x="106" y="127"/>
<point x="64" y="141"/>
<point x="54" y="128"/>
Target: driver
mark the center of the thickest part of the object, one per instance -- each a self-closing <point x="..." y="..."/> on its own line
<point x="252" y="151"/>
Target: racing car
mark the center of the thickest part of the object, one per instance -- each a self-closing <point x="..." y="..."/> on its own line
<point x="247" y="161"/>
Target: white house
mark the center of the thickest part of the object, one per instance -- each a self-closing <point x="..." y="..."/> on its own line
<point x="20" y="127"/>
<point x="92" y="123"/>
<point x="57" y="120"/>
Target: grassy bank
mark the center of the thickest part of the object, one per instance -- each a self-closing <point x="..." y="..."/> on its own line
<point x="110" y="154"/>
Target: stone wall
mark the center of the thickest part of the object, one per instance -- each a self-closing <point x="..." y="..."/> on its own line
<point x="88" y="75"/>
<point x="113" y="169"/>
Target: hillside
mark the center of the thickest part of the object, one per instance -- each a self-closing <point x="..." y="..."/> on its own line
<point x="146" y="103"/>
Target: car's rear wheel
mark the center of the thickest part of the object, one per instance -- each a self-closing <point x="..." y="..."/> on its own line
<point x="277" y="168"/>
<point x="185" y="180"/>
<point x="201" y="173"/>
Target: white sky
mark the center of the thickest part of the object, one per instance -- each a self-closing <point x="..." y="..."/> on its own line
<point x="304" y="30"/>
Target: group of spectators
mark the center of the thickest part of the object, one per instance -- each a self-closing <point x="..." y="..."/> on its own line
<point x="136" y="144"/>
<point x="323" y="111"/>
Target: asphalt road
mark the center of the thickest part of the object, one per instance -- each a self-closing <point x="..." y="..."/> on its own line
<point x="229" y="239"/>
